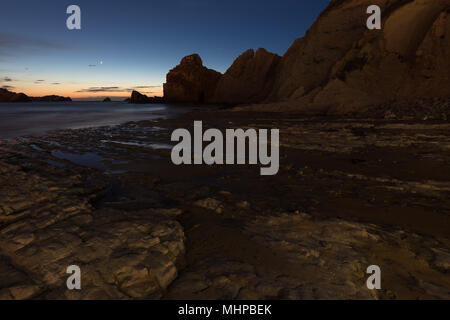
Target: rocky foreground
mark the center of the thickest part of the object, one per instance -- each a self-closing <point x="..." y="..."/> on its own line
<point x="349" y="194"/>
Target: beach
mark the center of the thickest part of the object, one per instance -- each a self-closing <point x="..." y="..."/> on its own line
<point x="37" y="118"/>
<point x="350" y="193"/>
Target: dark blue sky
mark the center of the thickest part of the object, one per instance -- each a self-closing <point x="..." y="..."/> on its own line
<point x="137" y="41"/>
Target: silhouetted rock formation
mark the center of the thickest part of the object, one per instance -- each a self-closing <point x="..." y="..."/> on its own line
<point x="339" y="66"/>
<point x="249" y="79"/>
<point x="139" y="98"/>
<point x="52" y="98"/>
<point x="190" y="81"/>
<point x="8" y="96"/>
<point x="107" y="99"/>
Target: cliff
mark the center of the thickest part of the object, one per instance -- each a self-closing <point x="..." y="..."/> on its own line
<point x="341" y="67"/>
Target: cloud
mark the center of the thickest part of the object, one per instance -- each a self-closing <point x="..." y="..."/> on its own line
<point x="6" y="79"/>
<point x="15" y="44"/>
<point x="39" y="81"/>
<point x="56" y="83"/>
<point x="102" y="89"/>
<point x="8" y="87"/>
<point x="146" y="87"/>
<point x="92" y="65"/>
<point x="117" y="89"/>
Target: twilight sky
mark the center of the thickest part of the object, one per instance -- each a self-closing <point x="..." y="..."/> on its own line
<point x="138" y="42"/>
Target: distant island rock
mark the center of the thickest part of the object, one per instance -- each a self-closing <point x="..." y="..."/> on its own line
<point x="51" y="98"/>
<point x="139" y="98"/>
<point x="338" y="67"/>
<point x="8" y="96"/>
<point x="107" y="99"/>
<point x="190" y="81"/>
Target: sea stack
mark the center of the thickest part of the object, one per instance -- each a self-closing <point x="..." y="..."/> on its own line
<point x="191" y="82"/>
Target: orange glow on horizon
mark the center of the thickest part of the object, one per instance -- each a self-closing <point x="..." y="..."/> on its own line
<point x="72" y="92"/>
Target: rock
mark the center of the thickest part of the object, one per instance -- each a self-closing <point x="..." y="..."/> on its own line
<point x="210" y="204"/>
<point x="327" y="260"/>
<point x="249" y="79"/>
<point x="191" y="82"/>
<point x="8" y="96"/>
<point x="308" y="61"/>
<point x="138" y="98"/>
<point x="23" y="292"/>
<point x="51" y="98"/>
<point x="50" y="224"/>
<point x="339" y="66"/>
<point x="107" y="99"/>
<point x="243" y="204"/>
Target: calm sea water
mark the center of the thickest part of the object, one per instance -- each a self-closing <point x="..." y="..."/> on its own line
<point x="36" y="118"/>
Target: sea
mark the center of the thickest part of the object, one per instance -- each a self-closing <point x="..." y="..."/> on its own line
<point x="38" y="118"/>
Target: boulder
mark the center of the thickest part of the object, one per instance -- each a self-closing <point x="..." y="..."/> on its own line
<point x="191" y="82"/>
<point x="107" y="99"/>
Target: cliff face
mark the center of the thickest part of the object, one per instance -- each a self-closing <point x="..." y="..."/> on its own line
<point x="307" y="64"/>
<point x="406" y="60"/>
<point x="249" y="79"/>
<point x="339" y="66"/>
<point x="190" y="81"/>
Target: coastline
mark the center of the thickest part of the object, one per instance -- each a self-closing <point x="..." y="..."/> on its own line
<point x="37" y="118"/>
<point x="350" y="192"/>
